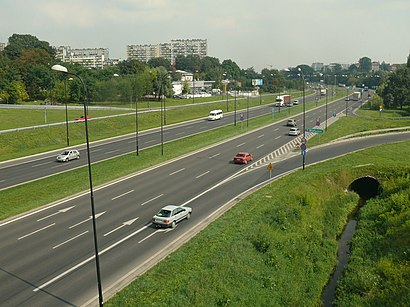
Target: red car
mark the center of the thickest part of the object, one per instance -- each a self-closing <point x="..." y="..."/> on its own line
<point x="242" y="158"/>
<point x="82" y="117"/>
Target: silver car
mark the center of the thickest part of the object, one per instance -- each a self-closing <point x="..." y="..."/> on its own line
<point x="170" y="215"/>
<point x="67" y="155"/>
<point x="294" y="131"/>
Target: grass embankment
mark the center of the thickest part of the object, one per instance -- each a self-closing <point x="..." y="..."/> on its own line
<point x="353" y="124"/>
<point x="277" y="247"/>
<point x="44" y="114"/>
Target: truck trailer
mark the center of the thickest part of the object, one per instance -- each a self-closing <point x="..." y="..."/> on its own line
<point x="357" y="95"/>
<point x="283" y="100"/>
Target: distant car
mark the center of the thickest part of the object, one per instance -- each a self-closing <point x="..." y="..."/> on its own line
<point x="170" y="215"/>
<point x="291" y="122"/>
<point x="294" y="131"/>
<point x="296" y="101"/>
<point x="242" y="158"/>
<point x="67" y="155"/>
<point x="347" y="99"/>
<point x="82" y="117"/>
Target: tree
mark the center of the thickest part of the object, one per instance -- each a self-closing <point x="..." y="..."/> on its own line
<point x="396" y="90"/>
<point x="231" y="69"/>
<point x="156" y="62"/>
<point x="131" y="67"/>
<point x="306" y="69"/>
<point x="365" y="64"/>
<point x="188" y="63"/>
<point x="18" y="43"/>
<point x="14" y="92"/>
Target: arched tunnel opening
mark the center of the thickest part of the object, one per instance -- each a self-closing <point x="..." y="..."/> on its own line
<point x="366" y="187"/>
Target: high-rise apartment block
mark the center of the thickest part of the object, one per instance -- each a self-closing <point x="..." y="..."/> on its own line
<point x="87" y="57"/>
<point x="168" y="51"/>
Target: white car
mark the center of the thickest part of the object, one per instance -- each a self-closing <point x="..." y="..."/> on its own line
<point x="67" y="155"/>
<point x="296" y="101"/>
<point x="170" y="215"/>
<point x="294" y="131"/>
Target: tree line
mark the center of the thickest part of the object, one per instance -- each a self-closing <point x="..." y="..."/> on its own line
<point x="26" y="75"/>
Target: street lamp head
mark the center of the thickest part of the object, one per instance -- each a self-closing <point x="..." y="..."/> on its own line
<point x="60" y="68"/>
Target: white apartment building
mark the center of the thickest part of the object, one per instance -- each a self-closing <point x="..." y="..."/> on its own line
<point x="87" y="57"/>
<point x="168" y="51"/>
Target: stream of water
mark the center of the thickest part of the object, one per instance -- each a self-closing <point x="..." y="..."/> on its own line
<point x="342" y="256"/>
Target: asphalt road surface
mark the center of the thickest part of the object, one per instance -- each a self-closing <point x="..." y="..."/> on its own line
<point x="20" y="171"/>
<point x="47" y="256"/>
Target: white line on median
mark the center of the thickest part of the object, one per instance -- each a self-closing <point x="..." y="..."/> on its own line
<point x="38" y="230"/>
<point x="215" y="155"/>
<point x="88" y="260"/>
<point x="110" y="152"/>
<point x="58" y="245"/>
<point x="151" y="199"/>
<point x="199" y="176"/>
<point x="176" y="172"/>
<point x="40" y="164"/>
<point x="121" y="195"/>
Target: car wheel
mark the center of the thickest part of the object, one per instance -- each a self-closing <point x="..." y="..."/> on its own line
<point x="188" y="216"/>
<point x="78" y="157"/>
<point x="66" y="160"/>
<point x="246" y="161"/>
<point x="173" y="224"/>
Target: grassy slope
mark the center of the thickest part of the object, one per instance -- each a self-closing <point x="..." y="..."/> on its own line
<point x="378" y="273"/>
<point x="285" y="251"/>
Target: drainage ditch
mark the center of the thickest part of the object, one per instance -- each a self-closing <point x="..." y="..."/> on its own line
<point x="366" y="187"/>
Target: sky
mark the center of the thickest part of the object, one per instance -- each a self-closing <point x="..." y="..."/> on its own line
<point x="261" y="34"/>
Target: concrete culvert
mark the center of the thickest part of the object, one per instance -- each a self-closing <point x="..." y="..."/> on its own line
<point x="366" y="187"/>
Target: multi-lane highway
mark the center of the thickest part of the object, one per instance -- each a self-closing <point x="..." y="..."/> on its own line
<point x="38" y="166"/>
<point x="46" y="256"/>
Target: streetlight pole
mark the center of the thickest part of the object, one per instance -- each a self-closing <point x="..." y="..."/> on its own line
<point x="234" y="118"/>
<point x="136" y="115"/>
<point x="247" y="111"/>
<point x="136" y="126"/>
<point x="304" y="115"/>
<point x="326" y="110"/>
<point x="66" y="110"/>
<point x="162" y="131"/>
<point x="63" y="69"/>
<point x="225" y="88"/>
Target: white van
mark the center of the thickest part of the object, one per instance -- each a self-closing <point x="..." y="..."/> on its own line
<point x="215" y="114"/>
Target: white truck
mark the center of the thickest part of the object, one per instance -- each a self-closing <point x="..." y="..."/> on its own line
<point x="282" y="100"/>
<point x="357" y="95"/>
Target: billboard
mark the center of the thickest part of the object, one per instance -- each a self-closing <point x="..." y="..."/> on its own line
<point x="257" y="82"/>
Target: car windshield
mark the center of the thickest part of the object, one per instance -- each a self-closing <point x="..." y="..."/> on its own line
<point x="240" y="155"/>
<point x="64" y="153"/>
<point x="164" y="213"/>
